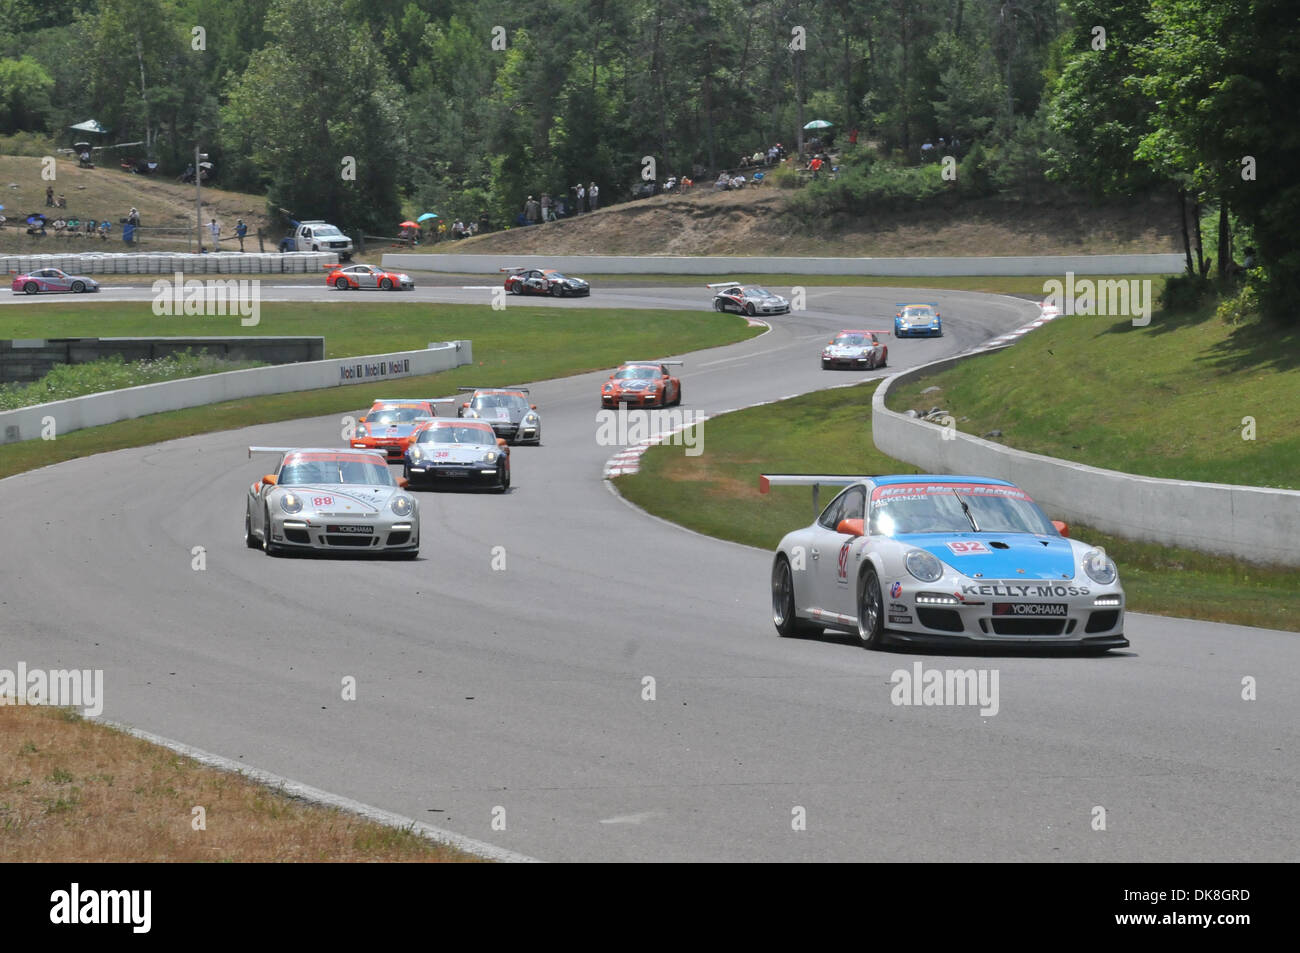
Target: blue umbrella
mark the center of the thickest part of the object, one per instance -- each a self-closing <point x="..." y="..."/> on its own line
<point x="426" y="216"/>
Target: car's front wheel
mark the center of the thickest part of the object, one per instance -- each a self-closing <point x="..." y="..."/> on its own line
<point x="267" y="546"/>
<point x="505" y="478"/>
<point x="784" y="617"/>
<point x="251" y="541"/>
<point x="386" y="284"/>
<point x="826" y="365"/>
<point x="871" y="609"/>
<point x="78" y="287"/>
<point x="750" y="309"/>
<point x="557" y="291"/>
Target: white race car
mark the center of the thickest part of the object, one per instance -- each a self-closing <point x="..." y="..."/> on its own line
<point x="747" y="299"/>
<point x="331" y="499"/>
<point x="941" y="561"/>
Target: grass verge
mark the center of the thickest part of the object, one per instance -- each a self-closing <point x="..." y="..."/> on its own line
<point x="510" y="347"/>
<point x="1173" y="399"/>
<point x="830" y="431"/>
<point x="72" y="791"/>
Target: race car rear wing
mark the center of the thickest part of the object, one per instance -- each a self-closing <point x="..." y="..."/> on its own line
<point x="523" y="390"/>
<point x="674" y="363"/>
<point x="768" y="480"/>
<point x="515" y="270"/>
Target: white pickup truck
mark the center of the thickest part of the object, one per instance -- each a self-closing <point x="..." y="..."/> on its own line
<point x="318" y="236"/>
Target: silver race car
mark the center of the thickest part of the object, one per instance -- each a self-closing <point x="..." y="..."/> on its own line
<point x="747" y="299"/>
<point x="942" y="561"/>
<point x="331" y="499"/>
<point x="855" y="349"/>
<point x="466" y="452"/>
<point x="508" y="411"/>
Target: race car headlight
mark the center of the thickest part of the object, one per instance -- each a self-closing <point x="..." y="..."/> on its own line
<point x="416" y="453"/>
<point x="1099" y="567"/>
<point x="608" y="388"/>
<point x="490" y="457"/>
<point x="291" y="503"/>
<point x="401" y="506"/>
<point x="924" y="566"/>
<point x="530" y="418"/>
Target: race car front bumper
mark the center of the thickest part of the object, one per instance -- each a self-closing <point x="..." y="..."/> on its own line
<point x="468" y="474"/>
<point x="1021" y="613"/>
<point x="320" y="533"/>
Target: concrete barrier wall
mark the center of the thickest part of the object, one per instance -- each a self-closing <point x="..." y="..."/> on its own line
<point x="1251" y="523"/>
<point x="112" y="406"/>
<point x="581" y="265"/>
<point x="168" y="263"/>
<point x="33" y="359"/>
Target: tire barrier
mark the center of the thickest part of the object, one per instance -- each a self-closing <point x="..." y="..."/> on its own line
<point x="168" y="263"/>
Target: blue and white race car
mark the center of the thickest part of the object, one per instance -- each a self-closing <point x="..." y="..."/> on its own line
<point x="941" y="561"/>
<point x="918" y="320"/>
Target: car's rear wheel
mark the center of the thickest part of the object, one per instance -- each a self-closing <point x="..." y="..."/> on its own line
<point x="78" y="287"/>
<point x="516" y="289"/>
<point x="386" y="284"/>
<point x="719" y="305"/>
<point x="341" y="284"/>
<point x="251" y="541"/>
<point x="31" y="288"/>
<point x="871" y="609"/>
<point x="784" y="617"/>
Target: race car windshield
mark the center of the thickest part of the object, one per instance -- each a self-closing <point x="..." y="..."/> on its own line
<point x="942" y="512"/>
<point x="636" y="374"/>
<point x="471" y="435"/>
<point x="485" y="401"/>
<point x="760" y="292"/>
<point x="851" y="340"/>
<point x="335" y="472"/>
<point x="397" y="415"/>
<point x="916" y="313"/>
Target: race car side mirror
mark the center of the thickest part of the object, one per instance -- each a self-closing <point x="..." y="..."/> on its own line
<point x="851" y="528"/>
<point x="269" y="479"/>
<point x="403" y="482"/>
<point x="533" y="406"/>
<point x="361" y="419"/>
<point x="1061" y="527"/>
<point x="466" y="404"/>
<point x="501" y="441"/>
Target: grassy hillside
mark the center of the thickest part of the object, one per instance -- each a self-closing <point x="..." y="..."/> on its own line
<point x="1168" y="400"/>
<point x="109" y="193"/>
<point x="758" y="222"/>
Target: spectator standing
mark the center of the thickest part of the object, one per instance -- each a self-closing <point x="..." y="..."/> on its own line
<point x="240" y="231"/>
<point x="853" y="136"/>
<point x="49" y="196"/>
<point x="532" y="211"/>
<point x="132" y="217"/>
<point x="215" y="229"/>
<point x="816" y="166"/>
<point x="581" y="205"/>
<point x="548" y="207"/>
<point x="593" y="195"/>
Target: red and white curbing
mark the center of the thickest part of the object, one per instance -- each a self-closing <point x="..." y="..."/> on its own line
<point x="628" y="460"/>
<point x="1047" y="312"/>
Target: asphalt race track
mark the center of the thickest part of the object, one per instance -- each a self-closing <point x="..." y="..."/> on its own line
<point x="522" y="688"/>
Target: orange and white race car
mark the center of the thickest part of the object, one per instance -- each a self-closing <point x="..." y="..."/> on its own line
<point x="642" y="384"/>
<point x="389" y="425"/>
<point x="359" y="277"/>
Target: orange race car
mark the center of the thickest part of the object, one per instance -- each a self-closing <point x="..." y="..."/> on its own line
<point x="642" y="384"/>
<point x="357" y="277"/>
<point x="389" y="425"/>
